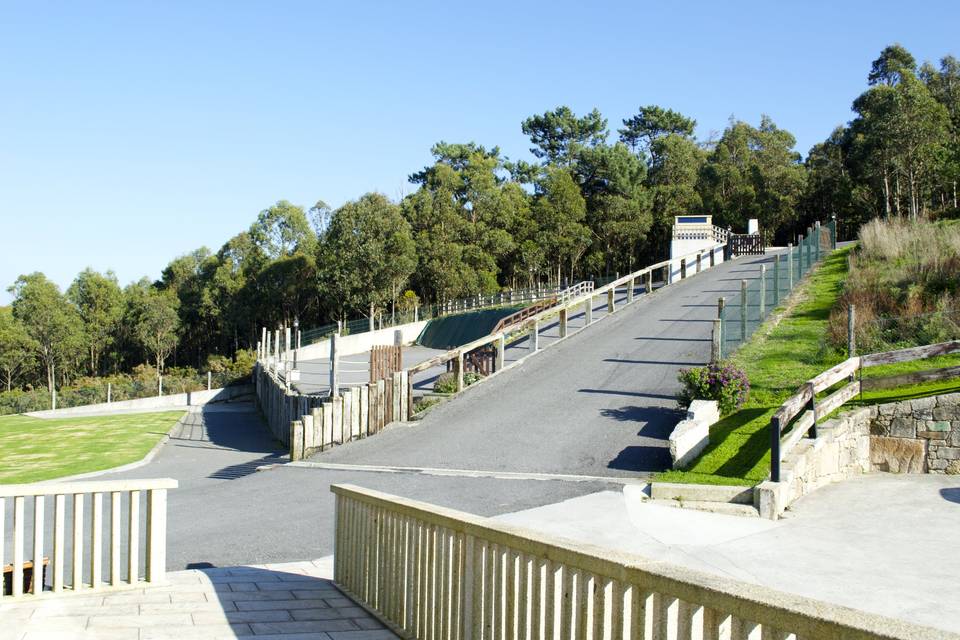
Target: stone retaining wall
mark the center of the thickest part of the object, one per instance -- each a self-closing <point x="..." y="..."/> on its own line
<point x="916" y="436"/>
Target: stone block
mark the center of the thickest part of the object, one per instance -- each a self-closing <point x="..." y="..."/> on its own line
<point x="948" y="453"/>
<point x="940" y="425"/>
<point x="948" y="399"/>
<point x="938" y="465"/>
<point x="923" y="404"/>
<point x="955" y="438"/>
<point x="687" y="440"/>
<point x="932" y="435"/>
<point x="903" y="427"/>
<point x="897" y="455"/>
<point x="704" y="410"/>
<point x="953" y="467"/>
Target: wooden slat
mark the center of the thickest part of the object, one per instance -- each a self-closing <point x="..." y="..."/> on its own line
<point x="38" y="545"/>
<point x="115" y="544"/>
<point x="59" y="549"/>
<point x="133" y="538"/>
<point x="3" y="536"/>
<point x="915" y="377"/>
<point x="837" y="399"/>
<point x="913" y="353"/>
<point x="156" y="535"/>
<point x="53" y="488"/>
<point x="794" y="404"/>
<point x="77" y="583"/>
<point x="835" y="374"/>
<point x="800" y="429"/>
<point x="18" y="533"/>
<point x="96" y="540"/>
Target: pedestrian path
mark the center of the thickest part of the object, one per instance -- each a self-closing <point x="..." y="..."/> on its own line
<point x="290" y="601"/>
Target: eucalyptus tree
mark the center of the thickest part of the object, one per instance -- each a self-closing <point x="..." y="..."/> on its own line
<point x="158" y="325"/>
<point x="100" y="301"/>
<point x="16" y="349"/>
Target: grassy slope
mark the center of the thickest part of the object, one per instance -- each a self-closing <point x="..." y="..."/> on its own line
<point x="35" y="449"/>
<point x="777" y="362"/>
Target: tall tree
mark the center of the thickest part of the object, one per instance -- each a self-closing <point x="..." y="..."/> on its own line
<point x="652" y="123"/>
<point x="558" y="135"/>
<point x="16" y="348"/>
<point x="894" y="63"/>
<point x="100" y="301"/>
<point x="367" y="254"/>
<point x="560" y="210"/>
<point x="158" y="325"/>
<point x="53" y="324"/>
<point x="282" y="230"/>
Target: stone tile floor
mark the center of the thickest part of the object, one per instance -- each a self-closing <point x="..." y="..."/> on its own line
<point x="291" y="601"/>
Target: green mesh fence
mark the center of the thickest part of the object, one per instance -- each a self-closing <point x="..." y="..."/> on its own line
<point x="745" y="311"/>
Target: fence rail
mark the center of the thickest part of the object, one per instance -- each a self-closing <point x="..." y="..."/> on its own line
<point x="69" y="553"/>
<point x="442" y="574"/>
<point x="799" y="414"/>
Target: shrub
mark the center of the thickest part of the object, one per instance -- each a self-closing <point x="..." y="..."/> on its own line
<point x="447" y="382"/>
<point x="722" y="381"/>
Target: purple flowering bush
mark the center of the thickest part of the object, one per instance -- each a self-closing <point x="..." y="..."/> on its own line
<point x="720" y="381"/>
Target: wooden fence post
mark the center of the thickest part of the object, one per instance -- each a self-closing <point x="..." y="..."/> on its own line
<point x="649" y="287"/>
<point x="630" y="286"/>
<point x="683" y="268"/>
<point x="716" y="352"/>
<point x="611" y="304"/>
<point x="851" y="331"/>
<point x="763" y="291"/>
<point x="588" y="310"/>
<point x="776" y="279"/>
<point x="563" y="322"/>
<point x="458" y="371"/>
<point x="501" y="348"/>
<point x="790" y="267"/>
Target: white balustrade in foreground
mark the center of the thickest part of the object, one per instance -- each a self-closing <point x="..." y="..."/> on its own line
<point x="80" y="546"/>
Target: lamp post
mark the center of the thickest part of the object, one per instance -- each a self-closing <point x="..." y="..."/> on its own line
<point x="296" y="338"/>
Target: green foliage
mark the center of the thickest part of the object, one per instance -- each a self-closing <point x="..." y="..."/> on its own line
<point x="723" y="382"/>
<point x="559" y="135"/>
<point x="157" y="325"/>
<point x="653" y="123"/>
<point x="447" y="382"/>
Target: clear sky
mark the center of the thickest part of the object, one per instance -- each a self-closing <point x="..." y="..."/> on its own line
<point x="133" y="132"/>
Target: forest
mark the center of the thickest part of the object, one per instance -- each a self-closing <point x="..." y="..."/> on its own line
<point x="592" y="199"/>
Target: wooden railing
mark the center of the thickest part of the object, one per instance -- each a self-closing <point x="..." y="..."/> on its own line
<point x="800" y="412"/>
<point x="747" y="244"/>
<point x="70" y="552"/>
<point x="439" y="574"/>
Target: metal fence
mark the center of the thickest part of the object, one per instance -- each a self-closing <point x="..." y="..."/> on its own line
<point x="740" y="315"/>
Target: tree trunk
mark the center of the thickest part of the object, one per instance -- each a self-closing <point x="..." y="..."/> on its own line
<point x="886" y="193"/>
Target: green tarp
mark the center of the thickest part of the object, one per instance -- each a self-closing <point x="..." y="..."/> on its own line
<point x="448" y="332"/>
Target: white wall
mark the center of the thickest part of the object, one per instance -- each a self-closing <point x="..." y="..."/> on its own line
<point x="700" y="245"/>
<point x="362" y="342"/>
<point x="172" y="401"/>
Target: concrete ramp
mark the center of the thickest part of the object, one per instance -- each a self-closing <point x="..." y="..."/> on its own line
<point x="449" y="332"/>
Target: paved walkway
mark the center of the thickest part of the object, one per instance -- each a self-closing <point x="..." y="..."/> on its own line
<point x="293" y="601"/>
<point x="601" y="403"/>
<point x="883" y="543"/>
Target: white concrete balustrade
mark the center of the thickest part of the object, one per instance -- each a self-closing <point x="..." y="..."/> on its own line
<point x="79" y="545"/>
<point x="439" y="574"/>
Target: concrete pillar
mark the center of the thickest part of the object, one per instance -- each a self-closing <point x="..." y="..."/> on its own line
<point x="334" y="366"/>
<point x="563" y="322"/>
<point x="611" y="304"/>
<point x="535" y="336"/>
<point x="588" y="310"/>
<point x="713" y="257"/>
<point x="501" y="352"/>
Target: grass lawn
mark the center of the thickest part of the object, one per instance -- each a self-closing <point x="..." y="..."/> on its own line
<point x="35" y="449"/>
<point x="777" y="361"/>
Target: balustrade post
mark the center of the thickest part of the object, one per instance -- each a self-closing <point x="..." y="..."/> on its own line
<point x="156" y="535"/>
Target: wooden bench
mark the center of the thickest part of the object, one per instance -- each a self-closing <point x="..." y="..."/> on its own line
<point x="27" y="577"/>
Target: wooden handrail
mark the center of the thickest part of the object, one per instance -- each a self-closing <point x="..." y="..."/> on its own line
<point x="846" y="370"/>
<point x="428" y="570"/>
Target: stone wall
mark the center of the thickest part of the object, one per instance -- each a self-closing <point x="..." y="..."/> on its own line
<point x="692" y="435"/>
<point x="917" y="436"/>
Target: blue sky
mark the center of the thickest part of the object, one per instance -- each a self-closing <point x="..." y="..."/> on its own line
<point x="132" y="132"/>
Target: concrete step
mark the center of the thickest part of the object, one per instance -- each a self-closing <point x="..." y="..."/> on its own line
<point x="701" y="492"/>
<point x="725" y="508"/>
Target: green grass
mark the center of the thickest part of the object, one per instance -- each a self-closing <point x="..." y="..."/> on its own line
<point x="776" y="361"/>
<point x="35" y="449"/>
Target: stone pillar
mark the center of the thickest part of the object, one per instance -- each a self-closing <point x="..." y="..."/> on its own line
<point x="563" y="322"/>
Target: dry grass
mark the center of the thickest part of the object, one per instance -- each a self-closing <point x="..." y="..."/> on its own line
<point x="900" y="269"/>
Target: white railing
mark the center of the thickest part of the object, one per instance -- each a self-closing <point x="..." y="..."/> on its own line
<point x="703" y="231"/>
<point x="439" y="574"/>
<point x="69" y="552"/>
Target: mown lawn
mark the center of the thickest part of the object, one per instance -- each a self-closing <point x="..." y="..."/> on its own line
<point x="34" y="449"/>
<point x="777" y="361"/>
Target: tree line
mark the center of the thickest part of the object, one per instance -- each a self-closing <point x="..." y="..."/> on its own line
<point x="589" y="201"/>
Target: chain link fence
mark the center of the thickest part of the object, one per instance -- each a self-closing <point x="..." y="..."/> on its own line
<point x="741" y="314"/>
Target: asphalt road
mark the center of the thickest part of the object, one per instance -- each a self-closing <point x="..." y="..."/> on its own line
<point x="601" y="403"/>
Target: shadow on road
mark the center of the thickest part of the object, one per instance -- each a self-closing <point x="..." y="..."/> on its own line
<point x="678" y="364"/>
<point x="633" y="394"/>
<point x="642" y="458"/>
<point x="951" y="495"/>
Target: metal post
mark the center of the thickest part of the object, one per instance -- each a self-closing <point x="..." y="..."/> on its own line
<point x="743" y="310"/>
<point x="851" y="331"/>
<point x="790" y="266"/>
<point x="776" y="279"/>
<point x="334" y="367"/>
<point x="721" y="305"/>
<point x="775" y="449"/>
<point x="716" y="351"/>
<point x="763" y="291"/>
